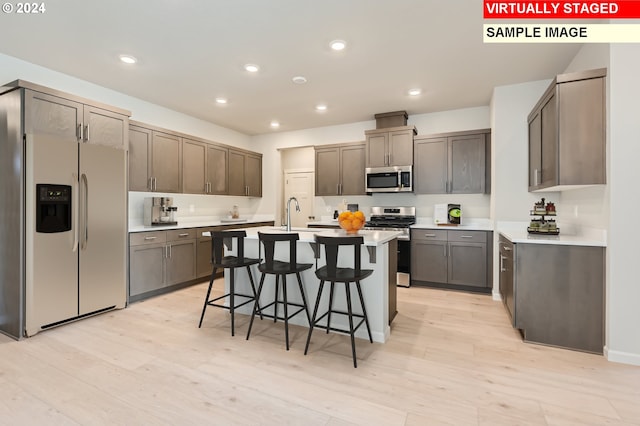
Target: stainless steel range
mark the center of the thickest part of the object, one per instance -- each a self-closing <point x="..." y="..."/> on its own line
<point x="396" y="219"/>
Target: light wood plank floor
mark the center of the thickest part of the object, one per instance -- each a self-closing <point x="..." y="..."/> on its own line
<point x="452" y="359"/>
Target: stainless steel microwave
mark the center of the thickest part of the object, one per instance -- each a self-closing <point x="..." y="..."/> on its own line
<point x="389" y="179"/>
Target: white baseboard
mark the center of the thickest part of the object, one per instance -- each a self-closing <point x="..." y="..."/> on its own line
<point x="496" y="296"/>
<point x="622" y="357"/>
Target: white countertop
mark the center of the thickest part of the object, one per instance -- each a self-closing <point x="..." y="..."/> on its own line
<point x="478" y="224"/>
<point x="371" y="238"/>
<point x="199" y="223"/>
<point x="574" y="237"/>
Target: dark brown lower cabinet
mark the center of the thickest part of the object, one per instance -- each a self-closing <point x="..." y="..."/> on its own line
<point x="452" y="259"/>
<point x="555" y="293"/>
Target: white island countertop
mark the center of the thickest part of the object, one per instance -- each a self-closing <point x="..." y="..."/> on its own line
<point x="307" y="235"/>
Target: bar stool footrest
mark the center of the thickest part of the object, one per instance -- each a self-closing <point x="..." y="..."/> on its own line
<point x="324" y="327"/>
<point x="217" y="305"/>
<point x="260" y="310"/>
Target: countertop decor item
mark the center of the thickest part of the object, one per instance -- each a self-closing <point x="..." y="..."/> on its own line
<point x="351" y="222"/>
<point x="541" y="224"/>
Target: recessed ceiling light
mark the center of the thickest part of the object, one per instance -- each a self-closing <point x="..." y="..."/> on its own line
<point x="299" y="79"/>
<point x="321" y="107"/>
<point x="414" y="92"/>
<point x="222" y="101"/>
<point x="275" y="124"/>
<point x="128" y="59"/>
<point x="338" y="44"/>
<point x="252" y="67"/>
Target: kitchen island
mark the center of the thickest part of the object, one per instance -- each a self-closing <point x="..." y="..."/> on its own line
<point x="379" y="289"/>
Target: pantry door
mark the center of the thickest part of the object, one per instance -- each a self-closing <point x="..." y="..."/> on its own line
<point x="299" y="184"/>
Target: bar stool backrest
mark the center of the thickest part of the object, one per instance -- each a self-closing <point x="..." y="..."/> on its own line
<point x="217" y="244"/>
<point x="268" y="242"/>
<point x="331" y="248"/>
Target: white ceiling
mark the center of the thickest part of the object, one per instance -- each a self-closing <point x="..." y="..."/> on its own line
<point x="191" y="52"/>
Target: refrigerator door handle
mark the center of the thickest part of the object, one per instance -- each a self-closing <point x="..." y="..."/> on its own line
<point x="76" y="214"/>
<point x="85" y="211"/>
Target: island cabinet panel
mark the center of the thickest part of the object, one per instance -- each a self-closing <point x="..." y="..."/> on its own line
<point x="390" y="147"/>
<point x="453" y="163"/>
<point x="567" y="133"/>
<point x="340" y="169"/>
<point x="452" y="259"/>
<point x="558" y="294"/>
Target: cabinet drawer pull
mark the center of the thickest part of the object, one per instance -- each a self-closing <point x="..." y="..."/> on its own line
<point x="466" y="236"/>
<point x="183" y="235"/>
<point x="149" y="238"/>
<point x="507" y="248"/>
<point x="429" y="235"/>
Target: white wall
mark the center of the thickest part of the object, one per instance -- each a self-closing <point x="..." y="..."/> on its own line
<point x="510" y="199"/>
<point x="623" y="284"/>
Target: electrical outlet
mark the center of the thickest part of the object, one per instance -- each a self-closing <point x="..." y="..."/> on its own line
<point x="328" y="209"/>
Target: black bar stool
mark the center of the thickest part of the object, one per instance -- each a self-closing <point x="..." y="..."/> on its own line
<point x="334" y="274"/>
<point x="220" y="261"/>
<point x="280" y="269"/>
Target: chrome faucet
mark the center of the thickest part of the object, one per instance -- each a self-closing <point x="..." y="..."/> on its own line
<point x="289" y="211"/>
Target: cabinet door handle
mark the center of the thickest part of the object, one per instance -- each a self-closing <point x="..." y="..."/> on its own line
<point x="86" y="133"/>
<point x="537" y="177"/>
<point x="169" y="251"/>
<point x="502" y="268"/>
<point x="186" y="234"/>
<point x="507" y="248"/>
<point x="149" y="238"/>
<point x="79" y="132"/>
<point x="445" y="250"/>
<point x="155" y="184"/>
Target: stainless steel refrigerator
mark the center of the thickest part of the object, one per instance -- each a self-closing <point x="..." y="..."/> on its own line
<point x="63" y="224"/>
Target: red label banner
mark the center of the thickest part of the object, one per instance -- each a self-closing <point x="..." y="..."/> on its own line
<point x="589" y="9"/>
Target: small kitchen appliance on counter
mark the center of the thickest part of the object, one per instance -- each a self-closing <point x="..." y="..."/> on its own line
<point x="159" y="211"/>
<point x="396" y="219"/>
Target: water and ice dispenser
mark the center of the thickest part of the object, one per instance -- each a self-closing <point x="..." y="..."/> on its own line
<point x="53" y="208"/>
